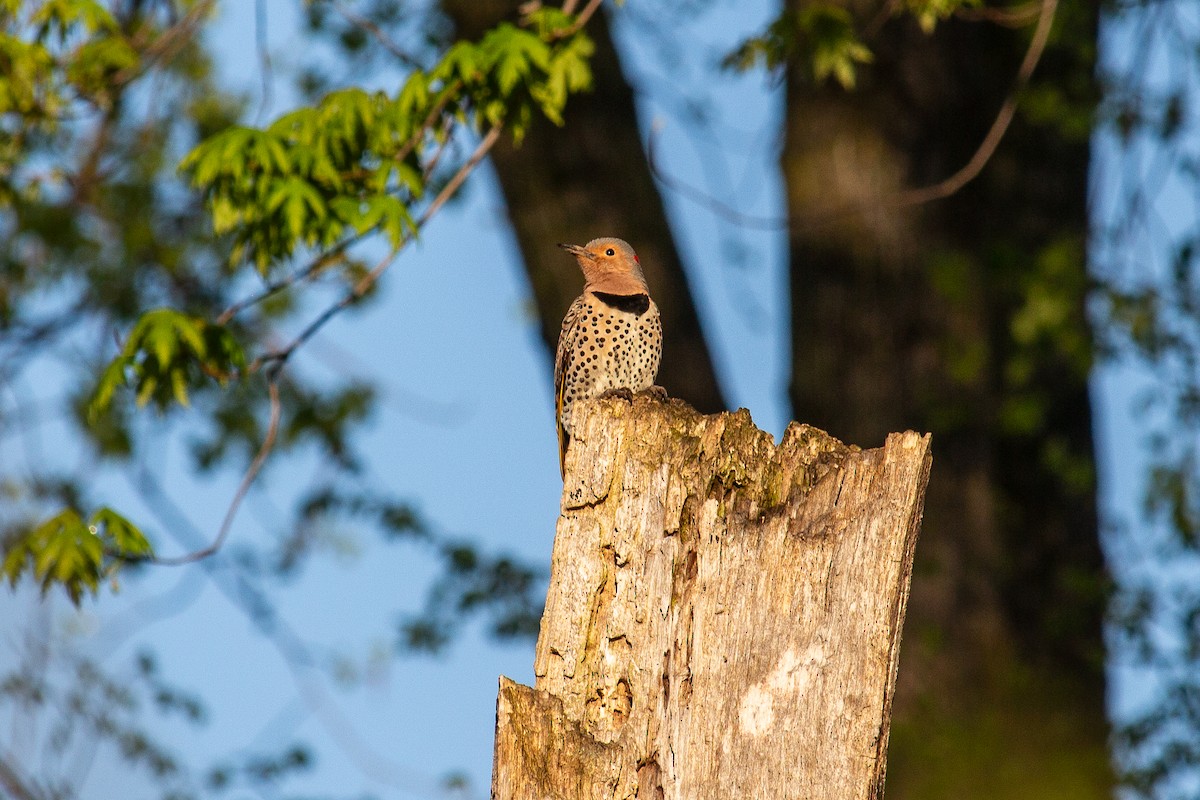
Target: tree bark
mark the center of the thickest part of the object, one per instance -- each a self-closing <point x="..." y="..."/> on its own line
<point x="723" y="617"/>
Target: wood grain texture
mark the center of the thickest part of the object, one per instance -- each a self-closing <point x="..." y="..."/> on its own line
<point x="723" y="617"/>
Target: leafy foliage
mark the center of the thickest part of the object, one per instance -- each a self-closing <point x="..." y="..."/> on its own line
<point x="166" y="354"/>
<point x="821" y="35"/>
<point x="357" y="163"/>
<point x="66" y="551"/>
<point x="498" y="587"/>
<point x="97" y="712"/>
<point x="928" y="13"/>
<point x="97" y="227"/>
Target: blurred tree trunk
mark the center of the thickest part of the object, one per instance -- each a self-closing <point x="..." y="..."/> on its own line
<point x="590" y="179"/>
<point x="965" y="317"/>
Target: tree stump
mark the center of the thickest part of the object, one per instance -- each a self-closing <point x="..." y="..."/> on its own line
<point x="723" y="617"/>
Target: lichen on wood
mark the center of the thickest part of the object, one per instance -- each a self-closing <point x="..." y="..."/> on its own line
<point x="723" y="617"/>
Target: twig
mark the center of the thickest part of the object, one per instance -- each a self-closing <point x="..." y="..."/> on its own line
<point x="380" y="35"/>
<point x="903" y="199"/>
<point x="447" y="92"/>
<point x="167" y="44"/>
<point x="432" y="163"/>
<point x="11" y="780"/>
<point x="232" y="580"/>
<point x="89" y="171"/>
<point x="580" y="20"/>
<point x="703" y="198"/>
<point x="271" y="289"/>
<point x="279" y="357"/>
<point x="450" y="188"/>
<point x="1013" y="17"/>
<point x="886" y="11"/>
<point x="999" y="127"/>
<point x="264" y="56"/>
<point x="251" y="473"/>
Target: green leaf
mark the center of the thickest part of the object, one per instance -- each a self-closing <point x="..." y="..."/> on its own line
<point x="65" y="14"/>
<point x="112" y="377"/>
<point x="97" y="61"/>
<point x="61" y="550"/>
<point x="167" y="354"/>
<point x="929" y="12"/>
<point x="820" y="34"/>
<point x="122" y="536"/>
<point x="65" y="551"/>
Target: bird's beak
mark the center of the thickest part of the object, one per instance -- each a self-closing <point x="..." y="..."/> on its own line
<point x="576" y="250"/>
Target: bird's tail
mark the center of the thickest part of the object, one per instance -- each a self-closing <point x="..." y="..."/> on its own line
<point x="564" y="439"/>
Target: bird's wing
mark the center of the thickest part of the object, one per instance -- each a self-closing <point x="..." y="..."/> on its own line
<point x="562" y="365"/>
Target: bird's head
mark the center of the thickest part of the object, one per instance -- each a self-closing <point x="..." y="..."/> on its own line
<point x="609" y="265"/>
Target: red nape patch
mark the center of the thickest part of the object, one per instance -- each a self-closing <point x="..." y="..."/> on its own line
<point x="636" y="260"/>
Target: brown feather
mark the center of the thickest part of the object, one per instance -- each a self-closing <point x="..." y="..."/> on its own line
<point x="562" y="365"/>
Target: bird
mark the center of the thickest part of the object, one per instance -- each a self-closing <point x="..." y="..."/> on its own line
<point x="611" y="338"/>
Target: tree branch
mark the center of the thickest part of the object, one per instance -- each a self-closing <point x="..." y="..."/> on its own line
<point x="1004" y="117"/>
<point x="14" y="784"/>
<point x="904" y="199"/>
<point x="232" y="580"/>
<point x="380" y="35"/>
<point x="315" y="266"/>
<point x="583" y="17"/>
<point x="324" y="259"/>
<point x="167" y="43"/>
<point x="364" y="285"/>
<point x="251" y="473"/>
<point x="264" y="56"/>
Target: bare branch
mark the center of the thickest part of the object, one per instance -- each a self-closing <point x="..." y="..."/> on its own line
<point x="304" y="663"/>
<point x="584" y="16"/>
<point x="14" y="784"/>
<point x="999" y="127"/>
<point x="431" y="165"/>
<point x="251" y="473"/>
<point x="264" y="55"/>
<point x="1013" y="17"/>
<point x="167" y="44"/>
<point x="279" y="357"/>
<point x="315" y="266"/>
<point x="886" y="12"/>
<point x="380" y="35"/>
<point x="485" y="145"/>
<point x="568" y="7"/>
<point x="904" y="199"/>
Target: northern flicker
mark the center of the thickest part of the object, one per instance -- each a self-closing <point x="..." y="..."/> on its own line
<point x="611" y="337"/>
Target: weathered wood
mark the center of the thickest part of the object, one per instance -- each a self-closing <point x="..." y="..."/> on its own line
<point x="723" y="617"/>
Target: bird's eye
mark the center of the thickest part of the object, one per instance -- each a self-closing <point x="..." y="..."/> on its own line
<point x="610" y="252"/>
